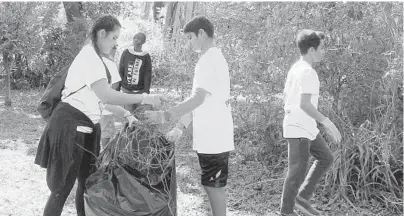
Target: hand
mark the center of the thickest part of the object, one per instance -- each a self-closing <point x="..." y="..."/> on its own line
<point x="332" y="130"/>
<point x="152" y="99"/>
<point x="174" y="135"/>
<point x="156" y="117"/>
<point x="132" y="120"/>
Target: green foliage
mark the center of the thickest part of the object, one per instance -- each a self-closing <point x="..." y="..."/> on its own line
<point x="361" y="81"/>
<point x="22" y="24"/>
<point x="38" y="32"/>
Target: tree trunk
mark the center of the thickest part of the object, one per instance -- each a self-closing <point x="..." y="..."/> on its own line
<point x="189" y="11"/>
<point x="156" y="10"/>
<point x="178" y="13"/>
<point x="147" y="10"/>
<point x="391" y="25"/>
<point x="176" y="20"/>
<point x="18" y="66"/>
<point x="7" y="101"/>
<point x="169" y="17"/>
<point x="73" y="10"/>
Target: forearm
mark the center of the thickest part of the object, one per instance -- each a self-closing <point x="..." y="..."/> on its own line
<point x="147" y="77"/>
<point x="117" y="110"/>
<point x="147" y="87"/>
<point x="113" y="97"/>
<point x="311" y="111"/>
<point x="185" y="121"/>
<point x="147" y="82"/>
<point x="187" y="106"/>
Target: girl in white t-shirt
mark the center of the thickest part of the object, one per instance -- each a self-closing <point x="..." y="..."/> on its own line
<point x="70" y="142"/>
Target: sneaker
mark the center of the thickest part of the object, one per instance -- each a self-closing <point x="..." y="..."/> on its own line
<point x="289" y="214"/>
<point x="305" y="206"/>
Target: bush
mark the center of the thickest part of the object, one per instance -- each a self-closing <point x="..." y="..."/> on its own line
<point x="361" y="80"/>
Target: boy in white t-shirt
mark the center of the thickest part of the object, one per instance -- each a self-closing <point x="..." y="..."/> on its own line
<point x="301" y="94"/>
<point x="211" y="113"/>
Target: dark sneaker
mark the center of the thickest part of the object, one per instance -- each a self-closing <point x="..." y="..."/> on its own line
<point x="305" y="206"/>
<point x="289" y="214"/>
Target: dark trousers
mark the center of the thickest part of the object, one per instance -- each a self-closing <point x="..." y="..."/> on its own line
<point x="57" y="199"/>
<point x="297" y="182"/>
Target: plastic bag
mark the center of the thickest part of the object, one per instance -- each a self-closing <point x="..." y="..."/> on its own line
<point x="119" y="188"/>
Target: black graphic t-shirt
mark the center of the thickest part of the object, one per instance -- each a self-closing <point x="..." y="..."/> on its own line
<point x="135" y="69"/>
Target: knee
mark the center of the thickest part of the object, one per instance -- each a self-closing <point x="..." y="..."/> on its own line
<point x="298" y="168"/>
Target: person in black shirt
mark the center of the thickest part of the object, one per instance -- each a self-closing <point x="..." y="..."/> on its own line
<point x="135" y="68"/>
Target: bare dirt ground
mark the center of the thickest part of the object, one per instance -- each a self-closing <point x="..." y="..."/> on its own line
<point x="23" y="189"/>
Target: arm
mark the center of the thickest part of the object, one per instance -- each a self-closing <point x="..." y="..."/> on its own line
<point x="309" y="86"/>
<point x="188" y="105"/>
<point x="109" y="96"/>
<point x="309" y="109"/>
<point x="148" y="74"/>
<point x="117" y="110"/>
<point x="121" y="67"/>
<point x="184" y="122"/>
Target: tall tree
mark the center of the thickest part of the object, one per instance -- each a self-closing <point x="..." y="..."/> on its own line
<point x="21" y="26"/>
<point x="156" y="10"/>
<point x="73" y="10"/>
<point x="6" y="61"/>
<point x="177" y="15"/>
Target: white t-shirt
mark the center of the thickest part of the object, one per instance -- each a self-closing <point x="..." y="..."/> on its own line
<point x="301" y="79"/>
<point x="115" y="77"/>
<point x="213" y="121"/>
<point x="86" y="69"/>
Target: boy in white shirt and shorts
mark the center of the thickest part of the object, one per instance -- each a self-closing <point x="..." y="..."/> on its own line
<point x="211" y="113"/>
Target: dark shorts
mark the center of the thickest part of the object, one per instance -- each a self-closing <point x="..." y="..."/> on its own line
<point x="214" y="168"/>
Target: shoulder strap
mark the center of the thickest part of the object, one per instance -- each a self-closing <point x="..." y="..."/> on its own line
<point x="106" y="69"/>
<point x="74" y="92"/>
<point x="108" y="77"/>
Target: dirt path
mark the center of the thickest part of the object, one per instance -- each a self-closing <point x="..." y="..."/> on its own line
<point x="23" y="190"/>
<point x="253" y="189"/>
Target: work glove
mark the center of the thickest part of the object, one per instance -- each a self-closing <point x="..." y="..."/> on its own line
<point x="332" y="130"/>
<point x="174" y="135"/>
<point x="152" y="99"/>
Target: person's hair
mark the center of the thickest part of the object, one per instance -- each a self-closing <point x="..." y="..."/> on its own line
<point x="309" y="38"/>
<point x="199" y="22"/>
<point x="141" y="33"/>
<point x="108" y="23"/>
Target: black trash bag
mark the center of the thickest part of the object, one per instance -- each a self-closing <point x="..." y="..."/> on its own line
<point x="121" y="186"/>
